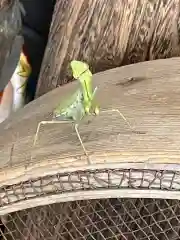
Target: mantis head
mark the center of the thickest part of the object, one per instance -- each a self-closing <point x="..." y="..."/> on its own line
<point x="78" y="68"/>
<point x="81" y="71"/>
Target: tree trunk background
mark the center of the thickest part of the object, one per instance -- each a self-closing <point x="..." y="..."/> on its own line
<point x="108" y="34"/>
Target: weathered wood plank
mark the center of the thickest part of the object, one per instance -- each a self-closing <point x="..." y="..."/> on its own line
<point x="151" y="105"/>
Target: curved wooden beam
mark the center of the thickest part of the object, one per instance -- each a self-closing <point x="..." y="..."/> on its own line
<point x="146" y="93"/>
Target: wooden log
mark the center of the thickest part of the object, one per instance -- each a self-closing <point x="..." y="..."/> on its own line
<point x="146" y="93"/>
<point x="108" y="34"/>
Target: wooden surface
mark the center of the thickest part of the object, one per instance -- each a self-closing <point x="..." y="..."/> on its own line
<point x="108" y="34"/>
<point x="151" y="103"/>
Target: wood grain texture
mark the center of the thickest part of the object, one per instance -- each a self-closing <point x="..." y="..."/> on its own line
<point x="108" y="34"/>
<point x="151" y="105"/>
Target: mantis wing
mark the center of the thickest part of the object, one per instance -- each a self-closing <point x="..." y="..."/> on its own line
<point x="67" y="109"/>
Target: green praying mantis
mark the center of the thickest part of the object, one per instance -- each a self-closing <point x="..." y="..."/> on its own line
<point x="80" y="104"/>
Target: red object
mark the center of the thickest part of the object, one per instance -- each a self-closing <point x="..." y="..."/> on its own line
<point x="1" y="94"/>
<point x="24" y="52"/>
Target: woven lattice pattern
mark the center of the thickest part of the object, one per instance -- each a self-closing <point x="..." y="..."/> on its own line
<point x="118" y="218"/>
<point x="126" y="219"/>
<point x="90" y="180"/>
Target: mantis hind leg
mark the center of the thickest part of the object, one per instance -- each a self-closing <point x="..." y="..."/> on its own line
<point x="38" y="128"/>
<point x="125" y="120"/>
<point x="58" y="122"/>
